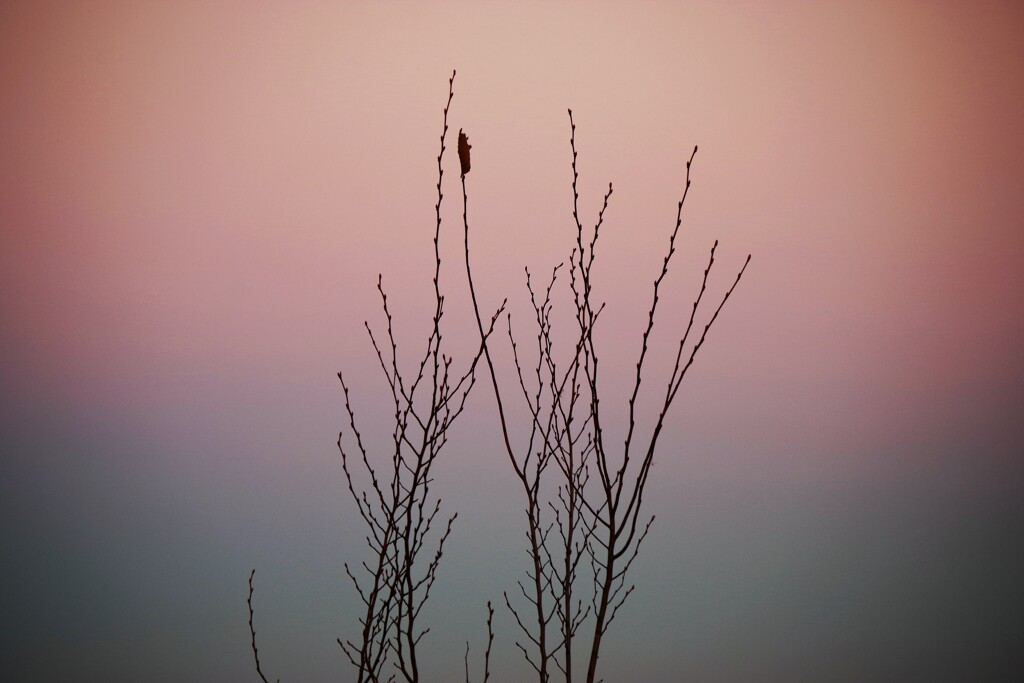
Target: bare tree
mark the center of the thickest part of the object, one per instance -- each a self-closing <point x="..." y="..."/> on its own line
<point x="400" y="515"/>
<point x="393" y="495"/>
<point x="585" y="518"/>
<point x="602" y="520"/>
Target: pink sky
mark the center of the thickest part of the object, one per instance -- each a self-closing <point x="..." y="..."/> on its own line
<point x="186" y="183"/>
<point x="196" y="199"/>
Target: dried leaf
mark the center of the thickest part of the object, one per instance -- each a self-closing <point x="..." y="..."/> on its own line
<point x="464" y="147"/>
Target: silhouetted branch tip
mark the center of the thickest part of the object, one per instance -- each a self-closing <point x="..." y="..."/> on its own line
<point x="252" y="632"/>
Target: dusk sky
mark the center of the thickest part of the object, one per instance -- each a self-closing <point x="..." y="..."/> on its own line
<point x="196" y="199"/>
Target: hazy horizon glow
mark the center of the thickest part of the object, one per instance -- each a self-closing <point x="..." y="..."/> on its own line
<point x="196" y="200"/>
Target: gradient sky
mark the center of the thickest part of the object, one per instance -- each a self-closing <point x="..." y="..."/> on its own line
<point x="196" y="199"/>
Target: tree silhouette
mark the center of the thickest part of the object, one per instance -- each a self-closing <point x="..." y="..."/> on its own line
<point x="584" y="495"/>
<point x="601" y="519"/>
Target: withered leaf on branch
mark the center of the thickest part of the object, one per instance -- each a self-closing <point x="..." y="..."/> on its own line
<point x="464" y="148"/>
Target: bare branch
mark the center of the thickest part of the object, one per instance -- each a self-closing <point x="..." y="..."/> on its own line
<point x="252" y="632"/>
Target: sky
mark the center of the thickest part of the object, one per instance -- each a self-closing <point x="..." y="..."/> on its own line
<point x="196" y="199"/>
